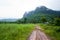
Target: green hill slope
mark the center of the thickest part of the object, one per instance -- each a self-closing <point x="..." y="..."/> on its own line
<point x="40" y="13"/>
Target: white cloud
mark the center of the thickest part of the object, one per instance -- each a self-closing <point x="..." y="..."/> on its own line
<point x="4" y="3"/>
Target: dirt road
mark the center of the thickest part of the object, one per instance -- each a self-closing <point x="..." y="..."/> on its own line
<point x="37" y="34"/>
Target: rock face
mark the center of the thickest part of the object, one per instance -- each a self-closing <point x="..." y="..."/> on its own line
<point x="42" y="9"/>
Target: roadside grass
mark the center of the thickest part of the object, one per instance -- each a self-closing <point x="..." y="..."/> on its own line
<point x="22" y="31"/>
<point x="51" y="31"/>
<point x="15" y="31"/>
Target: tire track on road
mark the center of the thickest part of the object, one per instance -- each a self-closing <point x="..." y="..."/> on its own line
<point x="37" y="34"/>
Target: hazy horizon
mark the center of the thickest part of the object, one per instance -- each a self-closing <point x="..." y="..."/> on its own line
<point x="16" y="8"/>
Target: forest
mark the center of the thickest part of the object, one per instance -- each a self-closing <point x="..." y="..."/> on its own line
<point x="41" y="15"/>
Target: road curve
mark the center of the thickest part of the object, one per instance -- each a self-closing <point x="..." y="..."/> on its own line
<point x="38" y="35"/>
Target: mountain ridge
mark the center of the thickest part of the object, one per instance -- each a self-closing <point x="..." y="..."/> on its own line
<point x="39" y="13"/>
<point x="42" y="9"/>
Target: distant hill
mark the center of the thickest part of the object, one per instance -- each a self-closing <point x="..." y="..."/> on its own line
<point x="8" y="20"/>
<point x="39" y="13"/>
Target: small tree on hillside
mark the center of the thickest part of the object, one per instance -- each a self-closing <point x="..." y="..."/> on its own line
<point x="25" y="20"/>
<point x="43" y="19"/>
<point x="57" y="21"/>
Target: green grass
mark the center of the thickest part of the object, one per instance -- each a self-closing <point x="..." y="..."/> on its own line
<point x="15" y="31"/>
<point x="22" y="31"/>
<point x="51" y="31"/>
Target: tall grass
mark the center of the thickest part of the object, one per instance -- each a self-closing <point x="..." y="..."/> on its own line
<point x="51" y="31"/>
<point x="22" y="31"/>
<point x="15" y="31"/>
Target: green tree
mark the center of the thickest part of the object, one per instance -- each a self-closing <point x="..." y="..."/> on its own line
<point x="25" y="20"/>
<point x="43" y="19"/>
<point x="57" y="21"/>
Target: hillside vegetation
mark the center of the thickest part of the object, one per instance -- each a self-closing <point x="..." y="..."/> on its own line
<point x="41" y="15"/>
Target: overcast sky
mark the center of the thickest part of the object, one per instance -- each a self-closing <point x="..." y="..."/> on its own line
<point x="16" y="8"/>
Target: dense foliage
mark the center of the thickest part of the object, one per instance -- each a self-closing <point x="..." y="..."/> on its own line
<point x="41" y="15"/>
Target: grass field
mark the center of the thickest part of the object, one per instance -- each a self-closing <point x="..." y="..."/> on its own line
<point x="15" y="31"/>
<point x="22" y="31"/>
<point x="52" y="31"/>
